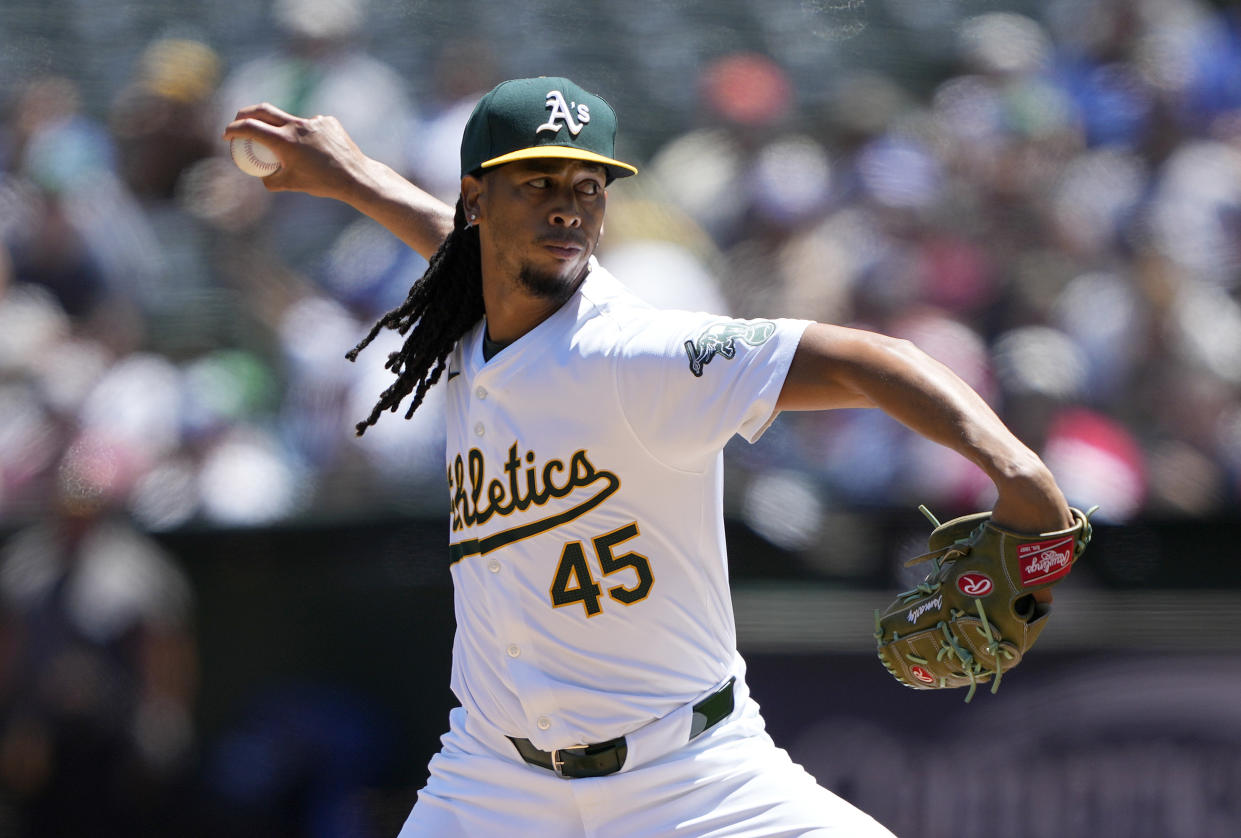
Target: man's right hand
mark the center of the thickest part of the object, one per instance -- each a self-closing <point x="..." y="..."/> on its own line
<point x="317" y="156"/>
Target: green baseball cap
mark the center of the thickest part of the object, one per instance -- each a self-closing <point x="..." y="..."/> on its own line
<point x="523" y="119"/>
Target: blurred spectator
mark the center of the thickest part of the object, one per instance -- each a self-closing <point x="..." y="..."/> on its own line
<point x="54" y="148"/>
<point x="74" y="227"/>
<point x="322" y="67"/>
<point x="464" y="70"/>
<point x="99" y="668"/>
<point x="706" y="172"/>
<point x="163" y="120"/>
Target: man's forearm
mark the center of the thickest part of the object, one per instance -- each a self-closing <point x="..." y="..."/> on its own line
<point x="417" y="218"/>
<point x="836" y="367"/>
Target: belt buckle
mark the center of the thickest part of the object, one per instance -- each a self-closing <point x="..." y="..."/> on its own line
<point x="557" y="763"/>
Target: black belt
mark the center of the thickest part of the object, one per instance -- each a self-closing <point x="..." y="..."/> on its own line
<point x="607" y="757"/>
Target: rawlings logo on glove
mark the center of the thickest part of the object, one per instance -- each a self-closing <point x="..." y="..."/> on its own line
<point x="975" y="614"/>
<point x="1044" y="561"/>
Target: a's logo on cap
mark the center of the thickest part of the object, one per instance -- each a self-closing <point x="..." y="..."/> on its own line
<point x="562" y="115"/>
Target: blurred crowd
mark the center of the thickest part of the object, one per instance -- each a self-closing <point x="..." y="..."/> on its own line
<point x="1056" y="215"/>
<point x="1058" y="218"/>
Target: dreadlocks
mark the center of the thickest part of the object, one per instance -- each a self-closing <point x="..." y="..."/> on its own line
<point x="441" y="307"/>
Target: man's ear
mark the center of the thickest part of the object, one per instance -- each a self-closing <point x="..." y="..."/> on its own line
<point x="471" y="198"/>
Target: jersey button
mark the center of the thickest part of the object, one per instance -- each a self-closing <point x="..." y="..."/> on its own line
<point x="543" y="722"/>
<point x="481" y="392"/>
<point x="494" y="565"/>
<point x="514" y="651"/>
<point x="479" y="430"/>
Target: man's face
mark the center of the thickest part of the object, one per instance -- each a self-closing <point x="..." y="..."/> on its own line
<point x="539" y="221"/>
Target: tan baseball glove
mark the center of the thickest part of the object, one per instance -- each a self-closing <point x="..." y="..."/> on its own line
<point x="975" y="615"/>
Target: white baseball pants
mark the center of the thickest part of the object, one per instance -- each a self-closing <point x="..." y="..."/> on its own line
<point x="730" y="781"/>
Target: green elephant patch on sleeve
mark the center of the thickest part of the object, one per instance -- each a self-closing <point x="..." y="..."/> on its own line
<point x="721" y="339"/>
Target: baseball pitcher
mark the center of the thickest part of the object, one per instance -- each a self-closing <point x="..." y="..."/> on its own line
<point x="601" y="692"/>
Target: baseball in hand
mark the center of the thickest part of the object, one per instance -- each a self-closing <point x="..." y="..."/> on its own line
<point x="253" y="158"/>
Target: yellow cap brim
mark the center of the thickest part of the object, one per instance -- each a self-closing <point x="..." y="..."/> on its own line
<point x="543" y="151"/>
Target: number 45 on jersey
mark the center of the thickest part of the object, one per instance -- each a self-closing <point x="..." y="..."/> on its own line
<point x="574" y="581"/>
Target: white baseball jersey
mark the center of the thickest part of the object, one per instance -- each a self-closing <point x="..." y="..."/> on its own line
<point x="585" y="471"/>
